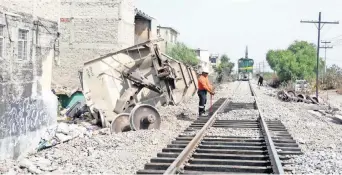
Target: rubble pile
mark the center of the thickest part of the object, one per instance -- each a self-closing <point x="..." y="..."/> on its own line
<point x="82" y="148"/>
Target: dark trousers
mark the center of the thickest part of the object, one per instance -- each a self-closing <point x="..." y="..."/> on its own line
<point x="260" y="81"/>
<point x="202" y="94"/>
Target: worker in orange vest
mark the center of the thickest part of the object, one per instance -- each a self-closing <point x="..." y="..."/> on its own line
<point x="203" y="87"/>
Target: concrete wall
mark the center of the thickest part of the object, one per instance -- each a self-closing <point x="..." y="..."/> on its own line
<point x="154" y="28"/>
<point x="89" y="29"/>
<point x="142" y="30"/>
<point x="27" y="106"/>
<point x="203" y="56"/>
<point x="49" y="9"/>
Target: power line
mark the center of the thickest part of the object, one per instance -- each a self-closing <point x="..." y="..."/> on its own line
<point x="337" y="42"/>
<point x="335" y="37"/>
<point x="325" y="47"/>
<point x="335" y="60"/>
<point x="319" y="27"/>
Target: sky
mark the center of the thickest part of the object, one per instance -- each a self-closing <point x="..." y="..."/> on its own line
<point x="228" y="26"/>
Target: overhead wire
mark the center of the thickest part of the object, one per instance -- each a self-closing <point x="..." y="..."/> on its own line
<point x="334" y="38"/>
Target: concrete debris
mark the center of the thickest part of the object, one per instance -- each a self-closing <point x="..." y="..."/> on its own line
<point x="93" y="151"/>
<point x="42" y="162"/>
<point x="63" y="128"/>
<point x="29" y="165"/>
<point x="105" y="131"/>
<point x="301" y="141"/>
<point x="62" y="137"/>
<point x="63" y="112"/>
<point x="10" y="172"/>
<point x="122" y="153"/>
<point x="65" y="132"/>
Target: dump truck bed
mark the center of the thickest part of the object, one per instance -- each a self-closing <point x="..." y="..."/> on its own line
<point x="135" y="75"/>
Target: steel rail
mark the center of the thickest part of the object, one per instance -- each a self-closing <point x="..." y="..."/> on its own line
<point x="272" y="152"/>
<point x="188" y="150"/>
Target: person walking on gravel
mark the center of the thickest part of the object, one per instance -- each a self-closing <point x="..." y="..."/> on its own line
<point x="203" y="87"/>
<point x="261" y="79"/>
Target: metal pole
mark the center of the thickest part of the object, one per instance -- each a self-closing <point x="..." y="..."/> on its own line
<point x="325" y="57"/>
<point x="325" y="65"/>
<point x="318" y="42"/>
<point x="319" y="22"/>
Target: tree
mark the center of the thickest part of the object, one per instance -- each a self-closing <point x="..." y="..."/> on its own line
<point x="183" y="53"/>
<point x="333" y="77"/>
<point x="225" y="68"/>
<point x="298" y="61"/>
<point x="224" y="58"/>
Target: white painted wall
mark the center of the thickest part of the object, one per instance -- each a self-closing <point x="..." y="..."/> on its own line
<point x="167" y="34"/>
<point x="154" y="27"/>
<point x="204" y="56"/>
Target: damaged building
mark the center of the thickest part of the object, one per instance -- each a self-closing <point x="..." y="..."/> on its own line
<point x="27" y="105"/>
<point x="93" y="29"/>
<point x="88" y="30"/>
<point x="43" y="45"/>
<point x="145" y="27"/>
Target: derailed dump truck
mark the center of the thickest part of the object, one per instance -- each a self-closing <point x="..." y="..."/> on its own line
<point x="123" y="89"/>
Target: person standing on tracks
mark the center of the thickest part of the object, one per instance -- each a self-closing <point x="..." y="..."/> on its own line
<point x="203" y="88"/>
<point x="261" y="79"/>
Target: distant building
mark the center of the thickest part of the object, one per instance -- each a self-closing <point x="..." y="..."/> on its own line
<point x="214" y="59"/>
<point x="170" y="36"/>
<point x="203" y="56"/>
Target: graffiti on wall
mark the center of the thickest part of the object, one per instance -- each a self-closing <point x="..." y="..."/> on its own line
<point x="23" y="116"/>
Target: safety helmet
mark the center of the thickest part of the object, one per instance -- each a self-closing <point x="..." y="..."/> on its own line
<point x="205" y="70"/>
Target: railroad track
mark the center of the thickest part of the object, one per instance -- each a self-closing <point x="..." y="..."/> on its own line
<point x="196" y="152"/>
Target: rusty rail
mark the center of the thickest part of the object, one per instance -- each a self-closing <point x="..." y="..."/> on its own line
<point x="188" y="150"/>
<point x="186" y="153"/>
<point x="275" y="161"/>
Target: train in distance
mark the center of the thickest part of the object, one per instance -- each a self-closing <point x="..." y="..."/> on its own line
<point x="245" y="67"/>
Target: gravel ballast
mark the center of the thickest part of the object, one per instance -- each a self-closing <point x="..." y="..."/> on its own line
<point x="319" y="137"/>
<point x="243" y="132"/>
<point x="122" y="153"/>
<point x="239" y="115"/>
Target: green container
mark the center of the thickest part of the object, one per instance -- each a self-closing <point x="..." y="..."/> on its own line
<point x="67" y="102"/>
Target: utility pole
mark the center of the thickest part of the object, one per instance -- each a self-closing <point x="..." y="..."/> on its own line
<point x="319" y="27"/>
<point x="263" y="68"/>
<point x="325" y="56"/>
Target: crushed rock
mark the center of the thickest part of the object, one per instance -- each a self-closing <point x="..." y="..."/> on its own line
<point x="243" y="132"/>
<point x="93" y="151"/>
<point x="318" y="136"/>
<point x="239" y="115"/>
